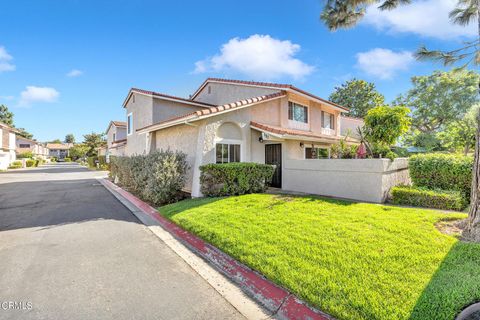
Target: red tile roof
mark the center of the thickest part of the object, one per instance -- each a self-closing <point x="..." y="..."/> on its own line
<point x="119" y="123"/>
<point x="291" y="132"/>
<point x="266" y="84"/>
<point x="226" y="107"/>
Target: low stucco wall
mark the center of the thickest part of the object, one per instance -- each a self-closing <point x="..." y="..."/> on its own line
<point x="358" y="179"/>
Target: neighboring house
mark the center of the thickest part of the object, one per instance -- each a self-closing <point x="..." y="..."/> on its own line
<point x="234" y="121"/>
<point x="116" y="139"/>
<point x="7" y="145"/>
<point x="37" y="149"/>
<point x="59" y="150"/>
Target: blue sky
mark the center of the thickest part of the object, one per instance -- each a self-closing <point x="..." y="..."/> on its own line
<point x="66" y="66"/>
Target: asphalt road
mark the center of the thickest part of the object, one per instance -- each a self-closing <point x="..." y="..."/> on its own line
<point x="70" y="250"/>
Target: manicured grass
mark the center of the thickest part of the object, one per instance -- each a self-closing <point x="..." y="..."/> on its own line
<point x="352" y="260"/>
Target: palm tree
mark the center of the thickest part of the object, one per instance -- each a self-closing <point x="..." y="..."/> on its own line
<point x="347" y="13"/>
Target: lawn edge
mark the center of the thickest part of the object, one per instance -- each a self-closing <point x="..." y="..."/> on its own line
<point x="277" y="300"/>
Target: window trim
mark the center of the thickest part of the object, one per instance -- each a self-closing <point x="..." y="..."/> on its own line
<point x="229" y="142"/>
<point x="301" y="105"/>
<point x="130" y="124"/>
<point x="317" y="147"/>
<point x="332" y="120"/>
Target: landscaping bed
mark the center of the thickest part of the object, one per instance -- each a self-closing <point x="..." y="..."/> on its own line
<point x="351" y="260"/>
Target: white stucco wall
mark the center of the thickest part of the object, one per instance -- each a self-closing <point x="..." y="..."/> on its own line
<point x="142" y="110"/>
<point x="358" y="179"/>
<point x="350" y="125"/>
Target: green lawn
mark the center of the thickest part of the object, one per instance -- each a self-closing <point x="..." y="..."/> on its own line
<point x="352" y="260"/>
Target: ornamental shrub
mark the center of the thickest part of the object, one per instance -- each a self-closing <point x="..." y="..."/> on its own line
<point x="68" y="159"/>
<point x="423" y="197"/>
<point x="30" y="163"/>
<point x="157" y="177"/>
<point x="25" y="155"/>
<point x="442" y="171"/>
<point x="235" y="178"/>
<point x="15" y="165"/>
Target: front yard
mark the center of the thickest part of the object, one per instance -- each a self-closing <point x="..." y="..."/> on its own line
<point x="352" y="260"/>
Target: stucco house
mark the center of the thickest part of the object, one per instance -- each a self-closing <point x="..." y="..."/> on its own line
<point x="116" y="139"/>
<point x="7" y="145"/>
<point x="59" y="150"/>
<point x="235" y="121"/>
<point x="37" y="149"/>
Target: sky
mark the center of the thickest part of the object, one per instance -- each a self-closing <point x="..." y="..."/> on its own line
<point x="67" y="65"/>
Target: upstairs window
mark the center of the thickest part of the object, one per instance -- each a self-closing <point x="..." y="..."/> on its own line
<point x="297" y="112"/>
<point x="227" y="153"/>
<point x="129" y="124"/>
<point x="328" y="120"/>
<point x="316" y="153"/>
<point x="24" y="145"/>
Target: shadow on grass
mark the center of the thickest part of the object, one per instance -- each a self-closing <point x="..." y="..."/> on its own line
<point x="312" y="198"/>
<point x="454" y="286"/>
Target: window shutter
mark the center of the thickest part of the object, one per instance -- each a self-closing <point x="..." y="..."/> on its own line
<point x="323" y="119"/>
<point x="306" y="114"/>
<point x="332" y="122"/>
<point x="290" y="111"/>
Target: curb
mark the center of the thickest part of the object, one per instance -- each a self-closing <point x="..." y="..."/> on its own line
<point x="281" y="303"/>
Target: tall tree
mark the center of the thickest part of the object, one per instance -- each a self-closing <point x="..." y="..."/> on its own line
<point x="69" y="138"/>
<point x="346" y="14"/>
<point x="56" y="141"/>
<point x="6" y="116"/>
<point x="440" y="99"/>
<point x="94" y="141"/>
<point x="357" y="95"/>
<point x="24" y="133"/>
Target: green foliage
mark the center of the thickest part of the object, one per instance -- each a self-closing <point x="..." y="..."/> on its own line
<point x="30" y="163"/>
<point x="58" y="141"/>
<point x="94" y="141"/>
<point x="355" y="261"/>
<point x="91" y="161"/>
<point x="6" y="116"/>
<point x="234" y="178"/>
<point x="442" y="171"/>
<point x="342" y="150"/>
<point x="359" y="96"/>
<point x="24" y="133"/>
<point x="15" y="165"/>
<point x="69" y="138"/>
<point x="423" y="197"/>
<point x="157" y="177"/>
<point x="67" y="159"/>
<point x="53" y="159"/>
<point x="440" y="99"/>
<point x="384" y="125"/>
<point x="25" y="155"/>
<point x="78" y="151"/>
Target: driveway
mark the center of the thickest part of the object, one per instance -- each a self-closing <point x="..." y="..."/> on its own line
<point x="70" y="250"/>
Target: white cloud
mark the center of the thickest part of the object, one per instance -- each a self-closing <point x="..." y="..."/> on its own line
<point x="384" y="63"/>
<point x="258" y="56"/>
<point x="38" y="94"/>
<point x="7" y="98"/>
<point x="74" y="73"/>
<point x="427" y="18"/>
<point x="5" y="61"/>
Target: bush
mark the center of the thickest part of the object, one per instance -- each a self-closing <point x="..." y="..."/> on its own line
<point x="157" y="177"/>
<point x="15" y="165"/>
<point x="234" y="178"/>
<point x="442" y="171"/>
<point x="68" y="159"/>
<point x="92" y="162"/>
<point x="422" y="197"/>
<point x="25" y="155"/>
<point x="30" y="163"/>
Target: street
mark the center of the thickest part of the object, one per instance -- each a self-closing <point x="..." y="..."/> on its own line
<point x="70" y="250"/>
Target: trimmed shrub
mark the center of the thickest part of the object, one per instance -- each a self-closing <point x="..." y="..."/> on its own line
<point x="91" y="162"/>
<point x="422" y="197"/>
<point x="30" y="163"/>
<point x="442" y="171"/>
<point x="235" y="178"/>
<point x="68" y="159"/>
<point x="157" y="177"/>
<point x="15" y="165"/>
<point x="25" y="155"/>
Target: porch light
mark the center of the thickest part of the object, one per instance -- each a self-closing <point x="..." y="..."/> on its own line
<point x="302" y="145"/>
<point x="260" y="139"/>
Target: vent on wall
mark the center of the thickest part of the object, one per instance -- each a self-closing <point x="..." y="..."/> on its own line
<point x="209" y="89"/>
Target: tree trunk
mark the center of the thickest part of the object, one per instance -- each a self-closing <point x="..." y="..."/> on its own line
<point x="472" y="230"/>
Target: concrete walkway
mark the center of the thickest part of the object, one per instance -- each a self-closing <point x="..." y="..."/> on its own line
<point x="70" y="250"/>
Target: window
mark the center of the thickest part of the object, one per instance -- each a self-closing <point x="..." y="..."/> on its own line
<point x="24" y="145"/>
<point x="227" y="153"/>
<point x="328" y="120"/>
<point x="316" y="153"/>
<point x="129" y="124"/>
<point x="297" y="112"/>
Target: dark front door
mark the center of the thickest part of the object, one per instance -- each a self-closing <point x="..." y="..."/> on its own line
<point x="273" y="155"/>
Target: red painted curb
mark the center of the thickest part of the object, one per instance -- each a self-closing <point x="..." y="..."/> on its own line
<point x="271" y="296"/>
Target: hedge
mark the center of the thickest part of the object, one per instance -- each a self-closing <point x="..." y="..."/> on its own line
<point x="15" y="165"/>
<point x="422" y="197"/>
<point x="157" y="177"/>
<point x="442" y="171"/>
<point x="234" y="178"/>
<point x="30" y="162"/>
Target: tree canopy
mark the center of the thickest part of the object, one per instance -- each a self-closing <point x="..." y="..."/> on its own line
<point x="357" y="95"/>
<point x="94" y="141"/>
<point x="6" y="116"/>
<point x="384" y="124"/>
<point x="69" y="138"/>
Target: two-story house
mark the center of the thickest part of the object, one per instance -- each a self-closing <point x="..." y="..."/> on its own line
<point x="59" y="150"/>
<point x="116" y="138"/>
<point x="234" y="121"/>
<point x="37" y="149"/>
<point x="7" y="145"/>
